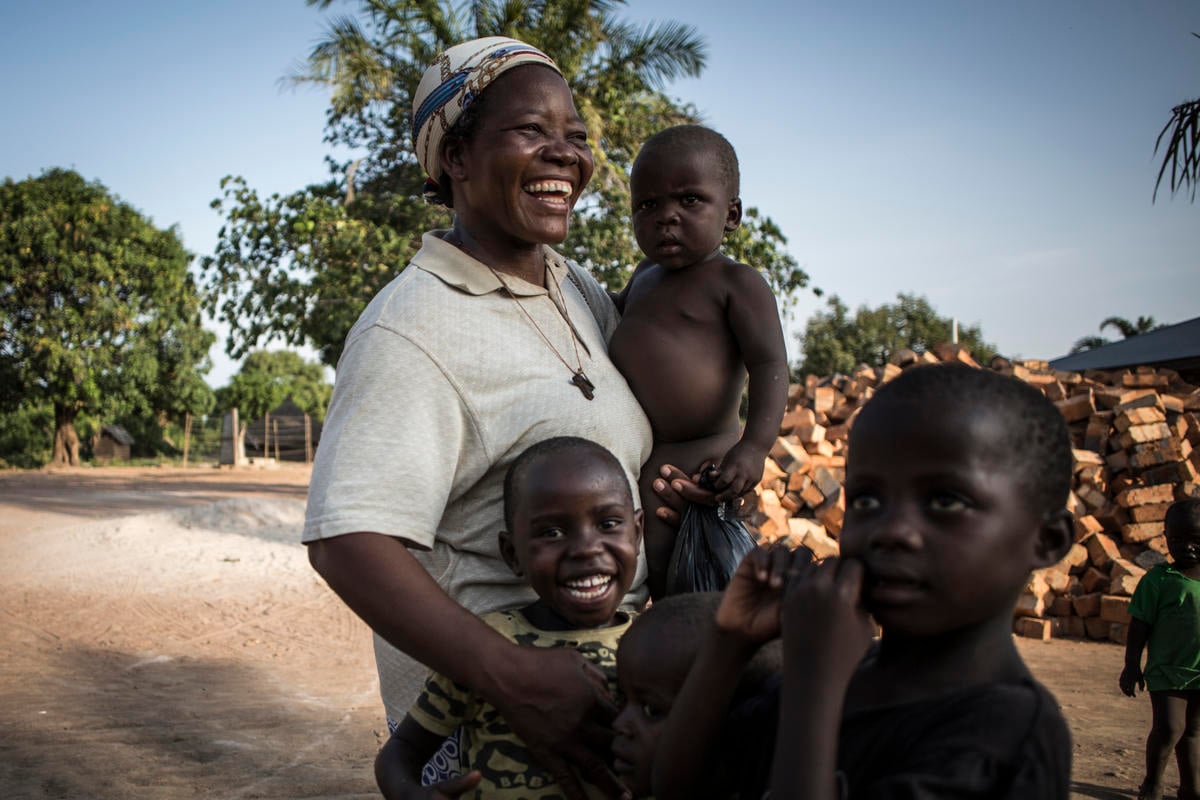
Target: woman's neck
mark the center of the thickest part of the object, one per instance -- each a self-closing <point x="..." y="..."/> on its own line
<point x="524" y="260"/>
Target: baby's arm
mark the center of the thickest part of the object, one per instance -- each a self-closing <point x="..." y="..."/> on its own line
<point x="754" y="321"/>
<point x="1135" y="642"/>
<point x="399" y="762"/>
<point x="747" y="617"/>
<point x="825" y="634"/>
<point x="619" y="298"/>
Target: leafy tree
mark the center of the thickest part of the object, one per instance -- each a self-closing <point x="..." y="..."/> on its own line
<point x="268" y="377"/>
<point x="834" y="341"/>
<point x="1123" y="326"/>
<point x="1182" y="153"/>
<point x="301" y="267"/>
<point x="98" y="313"/>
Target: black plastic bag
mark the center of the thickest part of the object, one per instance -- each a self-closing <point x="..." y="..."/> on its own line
<point x="709" y="546"/>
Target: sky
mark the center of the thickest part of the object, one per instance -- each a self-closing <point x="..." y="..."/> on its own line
<point x="997" y="158"/>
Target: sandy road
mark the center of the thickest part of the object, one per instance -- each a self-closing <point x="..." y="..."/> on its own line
<point x="162" y="636"/>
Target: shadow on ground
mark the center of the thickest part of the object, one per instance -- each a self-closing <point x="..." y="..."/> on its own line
<point x="192" y="728"/>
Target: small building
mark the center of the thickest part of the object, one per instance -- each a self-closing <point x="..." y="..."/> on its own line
<point x="111" y="443"/>
<point x="1174" y="347"/>
<point x="286" y="433"/>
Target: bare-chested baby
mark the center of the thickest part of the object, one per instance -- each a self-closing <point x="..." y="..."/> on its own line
<point x="694" y="324"/>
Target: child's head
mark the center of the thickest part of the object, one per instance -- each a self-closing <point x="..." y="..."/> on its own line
<point x="652" y="663"/>
<point x="1182" y="527"/>
<point x="684" y="187"/>
<point x="956" y="486"/>
<point x="571" y="528"/>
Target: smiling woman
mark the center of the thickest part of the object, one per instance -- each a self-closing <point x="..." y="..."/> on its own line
<point x="487" y="343"/>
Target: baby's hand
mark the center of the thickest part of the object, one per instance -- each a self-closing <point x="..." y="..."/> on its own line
<point x="750" y="605"/>
<point x="739" y="471"/>
<point x="1131" y="677"/>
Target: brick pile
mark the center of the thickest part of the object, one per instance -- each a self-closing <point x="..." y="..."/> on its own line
<point x="1136" y="440"/>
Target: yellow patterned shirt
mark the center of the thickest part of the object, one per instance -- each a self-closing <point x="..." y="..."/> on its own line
<point x="487" y="743"/>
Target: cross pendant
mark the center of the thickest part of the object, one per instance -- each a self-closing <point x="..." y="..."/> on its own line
<point x="587" y="387"/>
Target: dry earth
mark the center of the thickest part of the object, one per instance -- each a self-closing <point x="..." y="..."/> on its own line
<point x="162" y="636"/>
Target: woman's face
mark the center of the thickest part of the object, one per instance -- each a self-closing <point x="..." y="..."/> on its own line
<point x="518" y="177"/>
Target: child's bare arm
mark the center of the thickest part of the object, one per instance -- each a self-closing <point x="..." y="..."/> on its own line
<point x="747" y="617"/>
<point x="825" y="634"/>
<point x="619" y="298"/>
<point x="754" y="321"/>
<point x="399" y="762"/>
<point x="1135" y="642"/>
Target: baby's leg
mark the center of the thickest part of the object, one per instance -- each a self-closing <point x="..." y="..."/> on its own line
<point x="1187" y="752"/>
<point x="1168" y="721"/>
<point x="659" y="537"/>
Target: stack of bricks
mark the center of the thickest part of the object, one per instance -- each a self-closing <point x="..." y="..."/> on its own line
<point x="1136" y="440"/>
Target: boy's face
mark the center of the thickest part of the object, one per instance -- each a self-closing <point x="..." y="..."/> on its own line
<point x="1183" y="543"/>
<point x="649" y="681"/>
<point x="682" y="207"/>
<point x="575" y="536"/>
<point x="936" y="511"/>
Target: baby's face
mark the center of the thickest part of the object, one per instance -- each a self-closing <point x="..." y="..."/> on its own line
<point x="648" y="684"/>
<point x="682" y="208"/>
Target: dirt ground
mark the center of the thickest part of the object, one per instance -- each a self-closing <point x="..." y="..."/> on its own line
<point x="162" y="636"/>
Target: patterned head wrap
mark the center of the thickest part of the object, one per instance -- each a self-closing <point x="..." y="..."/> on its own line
<point x="453" y="81"/>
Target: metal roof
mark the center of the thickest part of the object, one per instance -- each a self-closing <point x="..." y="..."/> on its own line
<point x="1176" y="346"/>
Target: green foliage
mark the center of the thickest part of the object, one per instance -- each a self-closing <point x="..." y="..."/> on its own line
<point x="98" y="313"/>
<point x="26" y="436"/>
<point x="1122" y="325"/>
<point x="834" y="341"/>
<point x="1182" y="153"/>
<point x="301" y="267"/>
<point x="268" y="377"/>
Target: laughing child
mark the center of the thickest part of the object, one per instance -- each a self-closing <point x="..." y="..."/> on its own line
<point x="573" y="533"/>
<point x="956" y="484"/>
<point x="695" y="323"/>
<point x="1166" y="615"/>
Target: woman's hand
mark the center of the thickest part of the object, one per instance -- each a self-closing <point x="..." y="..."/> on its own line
<point x="676" y="489"/>
<point x="558" y="703"/>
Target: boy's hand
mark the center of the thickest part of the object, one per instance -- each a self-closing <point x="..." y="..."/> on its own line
<point x="824" y="623"/>
<point x="1131" y="676"/>
<point x="750" y="605"/>
<point x="739" y="471"/>
<point x="455" y="787"/>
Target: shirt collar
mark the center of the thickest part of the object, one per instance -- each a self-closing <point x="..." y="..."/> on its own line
<point x="455" y="268"/>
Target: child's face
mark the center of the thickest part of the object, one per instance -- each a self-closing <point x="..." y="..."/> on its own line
<point x="681" y="207"/>
<point x="944" y="527"/>
<point x="648" y="683"/>
<point x="575" y="536"/>
<point x="1183" y="543"/>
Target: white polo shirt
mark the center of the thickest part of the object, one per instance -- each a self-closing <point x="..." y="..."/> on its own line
<point x="443" y="382"/>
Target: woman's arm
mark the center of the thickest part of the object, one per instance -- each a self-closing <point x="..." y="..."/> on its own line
<point x="552" y="698"/>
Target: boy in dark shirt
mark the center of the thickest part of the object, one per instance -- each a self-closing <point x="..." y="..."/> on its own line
<point x="956" y="485"/>
<point x="695" y="323"/>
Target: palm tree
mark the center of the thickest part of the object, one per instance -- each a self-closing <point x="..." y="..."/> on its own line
<point x="1126" y="328"/>
<point x="1182" y="153"/>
